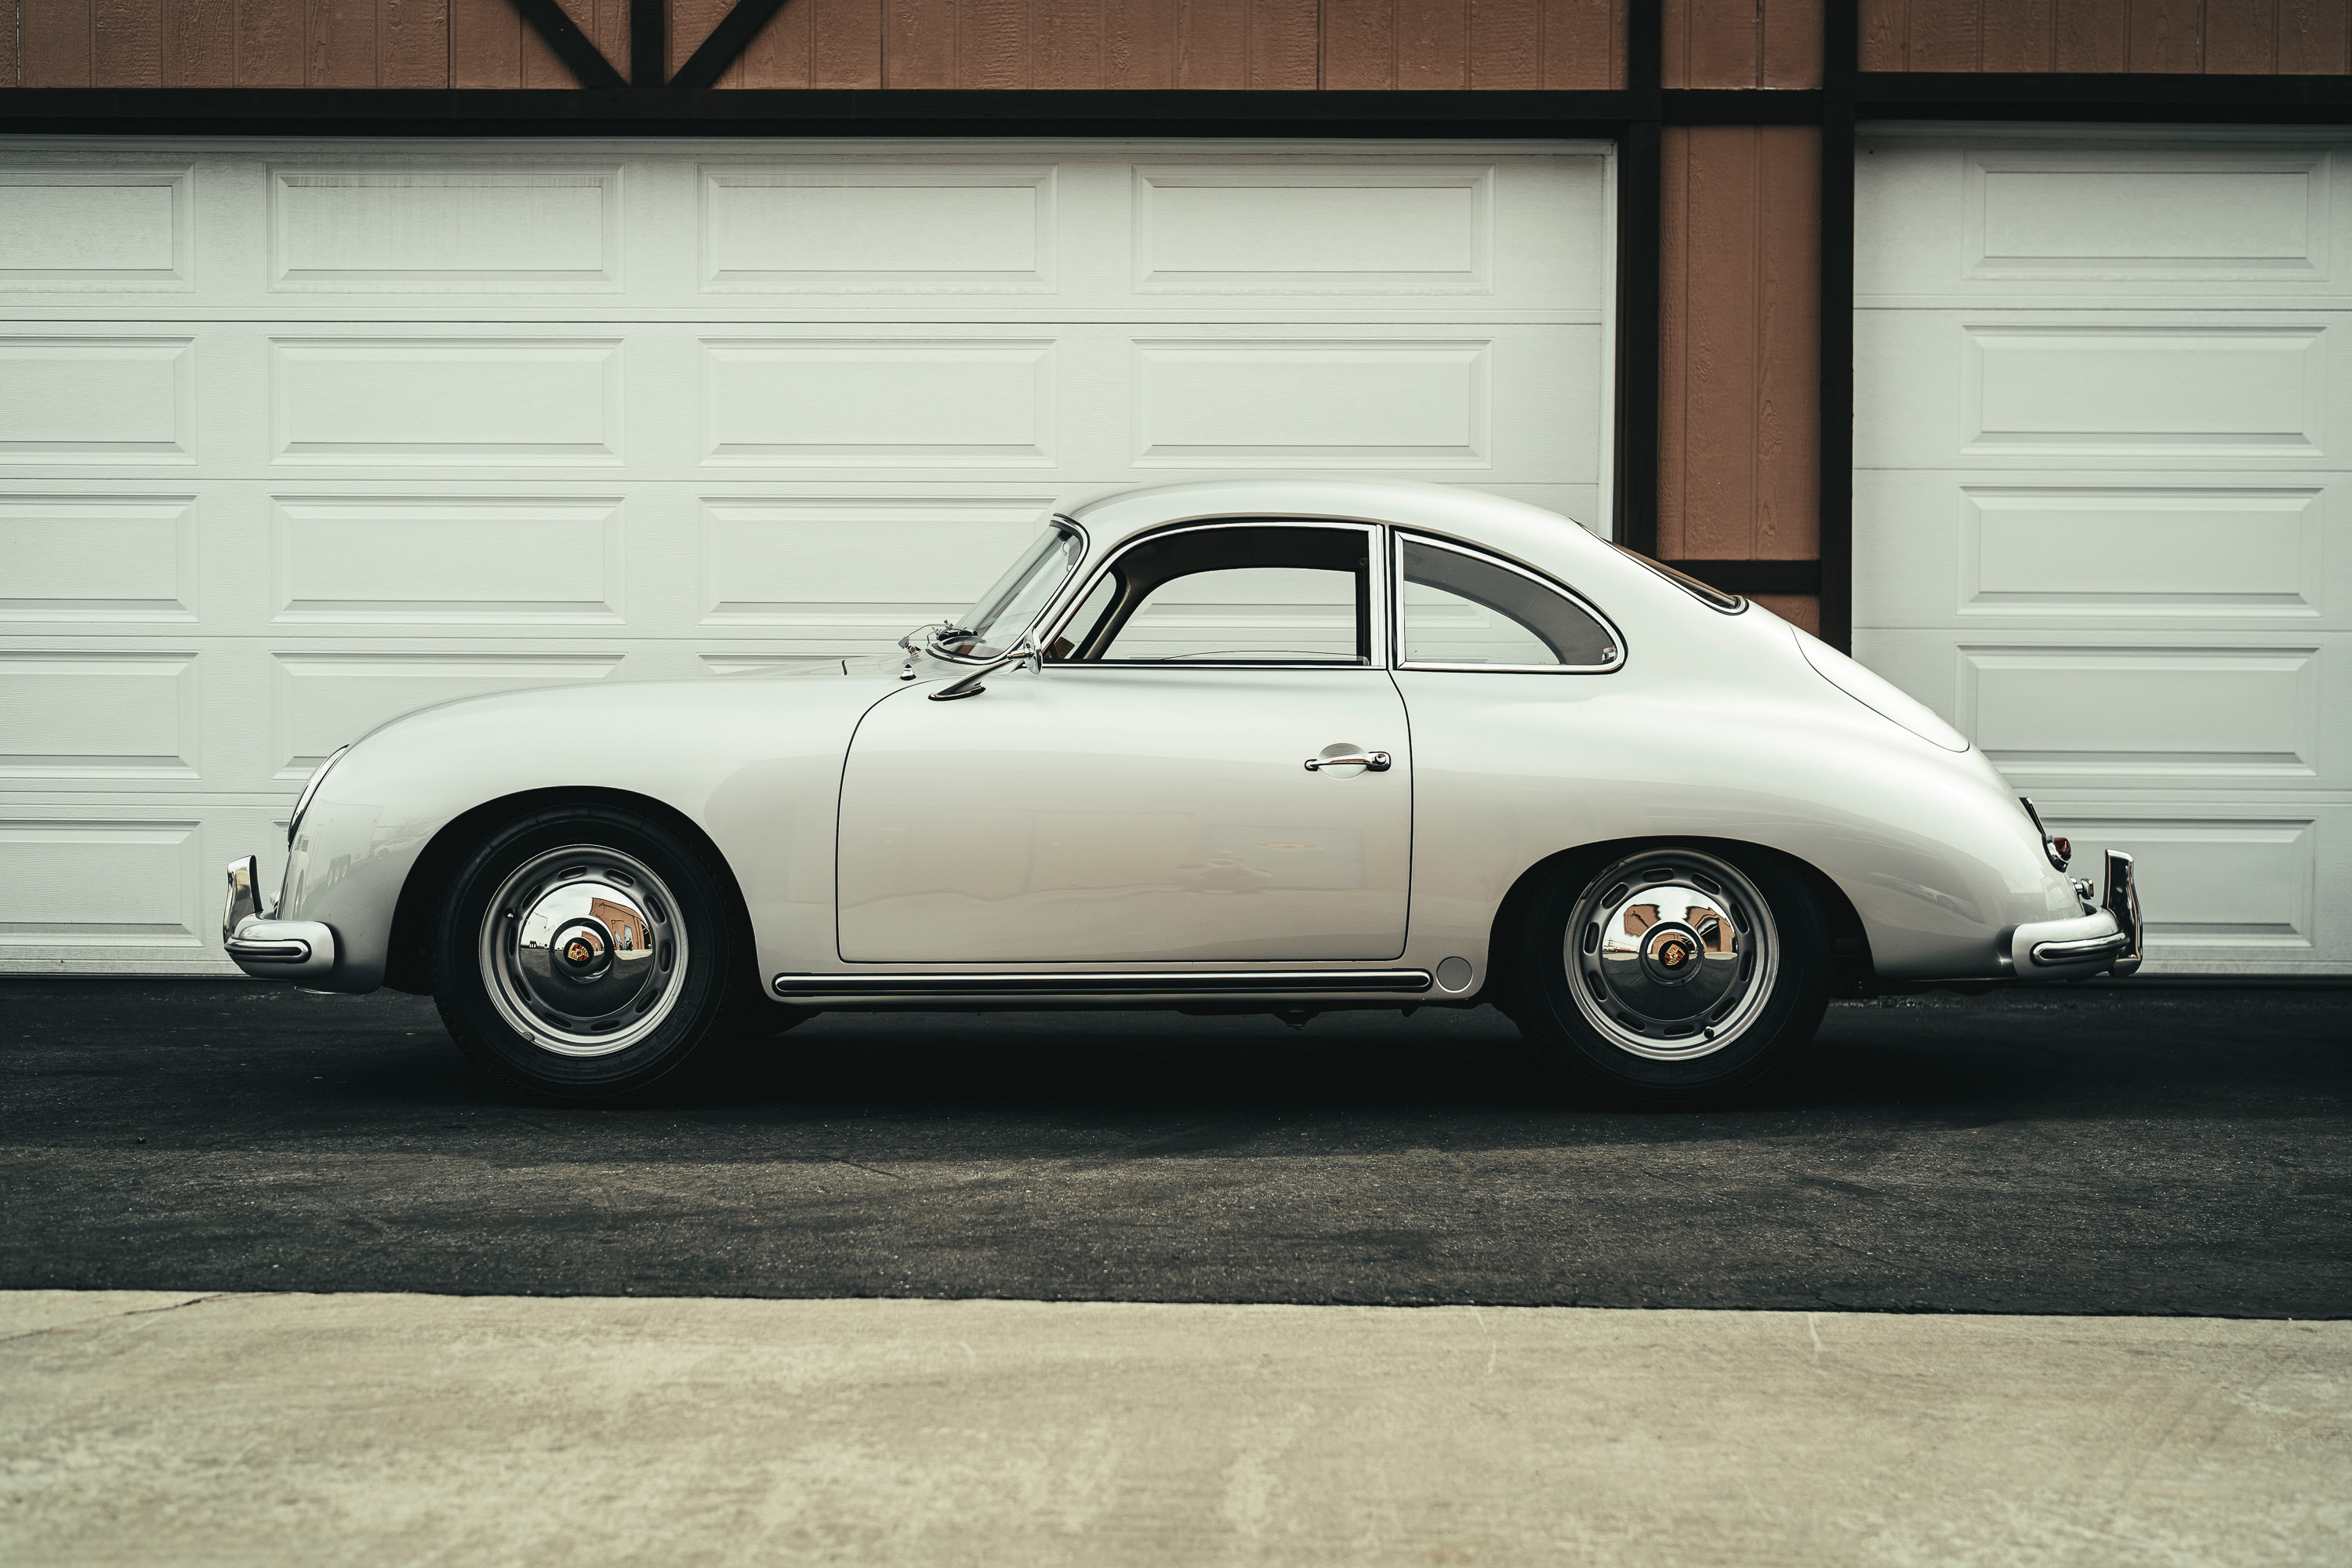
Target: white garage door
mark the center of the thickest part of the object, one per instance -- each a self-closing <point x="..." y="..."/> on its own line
<point x="2103" y="436"/>
<point x="296" y="437"/>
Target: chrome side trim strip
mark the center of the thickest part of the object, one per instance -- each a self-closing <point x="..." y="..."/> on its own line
<point x="1131" y="984"/>
<point x="2080" y="949"/>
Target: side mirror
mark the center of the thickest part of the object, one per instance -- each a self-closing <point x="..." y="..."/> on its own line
<point x="1020" y="652"/>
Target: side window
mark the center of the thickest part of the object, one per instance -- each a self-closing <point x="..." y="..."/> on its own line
<point x="1248" y="594"/>
<point x="1457" y="609"/>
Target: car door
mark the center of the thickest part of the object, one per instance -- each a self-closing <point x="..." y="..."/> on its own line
<point x="1147" y="796"/>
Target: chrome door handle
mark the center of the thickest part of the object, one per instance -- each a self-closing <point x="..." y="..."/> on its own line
<point x="1370" y="761"/>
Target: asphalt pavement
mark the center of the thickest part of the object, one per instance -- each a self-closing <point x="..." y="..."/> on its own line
<point x="2134" y="1150"/>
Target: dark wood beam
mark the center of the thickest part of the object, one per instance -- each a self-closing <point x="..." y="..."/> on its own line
<point x="1841" y="52"/>
<point x="1755" y="576"/>
<point x="795" y="111"/>
<point x="578" y="54"/>
<point x="649" y="42"/>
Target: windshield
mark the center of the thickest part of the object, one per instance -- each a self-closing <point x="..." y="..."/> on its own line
<point x="1004" y="612"/>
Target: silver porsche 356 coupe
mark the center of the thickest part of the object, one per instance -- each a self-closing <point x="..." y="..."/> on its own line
<point x="1272" y="746"/>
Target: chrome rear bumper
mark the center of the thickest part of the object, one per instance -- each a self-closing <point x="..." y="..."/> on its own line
<point x="2122" y="900"/>
<point x="2106" y="942"/>
<point x="272" y="950"/>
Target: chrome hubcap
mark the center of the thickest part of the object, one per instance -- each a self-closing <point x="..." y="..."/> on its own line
<point x="1673" y="954"/>
<point x="582" y="951"/>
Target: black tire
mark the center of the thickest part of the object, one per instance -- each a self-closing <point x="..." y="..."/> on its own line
<point x="1714" y="973"/>
<point x="605" y="886"/>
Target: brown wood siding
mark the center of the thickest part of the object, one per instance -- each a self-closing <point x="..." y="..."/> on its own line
<point x="235" y="42"/>
<point x="1738" y="371"/>
<point x="2243" y="37"/>
<point x="1265" y="44"/>
<point x="1742" y="43"/>
<point x="1800" y="609"/>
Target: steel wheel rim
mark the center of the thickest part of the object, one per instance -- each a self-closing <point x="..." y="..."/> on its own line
<point x="583" y="952"/>
<point x="1671" y="954"/>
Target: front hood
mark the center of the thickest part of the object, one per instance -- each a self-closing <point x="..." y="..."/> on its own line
<point x="866" y="666"/>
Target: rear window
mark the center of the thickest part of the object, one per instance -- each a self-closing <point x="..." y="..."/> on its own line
<point x="1456" y="610"/>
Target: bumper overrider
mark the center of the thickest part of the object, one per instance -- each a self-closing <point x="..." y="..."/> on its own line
<point x="2106" y="941"/>
<point x="272" y="950"/>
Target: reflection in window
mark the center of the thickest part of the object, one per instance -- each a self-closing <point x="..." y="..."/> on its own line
<point x="1458" y="609"/>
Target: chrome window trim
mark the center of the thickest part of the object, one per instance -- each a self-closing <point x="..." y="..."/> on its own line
<point x="1085" y="545"/>
<point x="1399" y="537"/>
<point x="1375" y="611"/>
<point x="1707" y="594"/>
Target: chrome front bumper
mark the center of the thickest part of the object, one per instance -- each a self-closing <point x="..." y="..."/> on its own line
<point x="272" y="950"/>
<point x="2107" y="942"/>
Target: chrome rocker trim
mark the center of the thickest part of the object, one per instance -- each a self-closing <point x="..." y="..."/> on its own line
<point x="1232" y="983"/>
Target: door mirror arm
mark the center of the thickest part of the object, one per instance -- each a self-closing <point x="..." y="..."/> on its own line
<point x="1020" y="652"/>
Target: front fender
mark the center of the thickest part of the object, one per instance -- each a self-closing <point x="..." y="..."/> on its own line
<point x="755" y="764"/>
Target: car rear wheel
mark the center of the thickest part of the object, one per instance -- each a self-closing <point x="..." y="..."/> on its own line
<point x="583" y="953"/>
<point x="1674" y="975"/>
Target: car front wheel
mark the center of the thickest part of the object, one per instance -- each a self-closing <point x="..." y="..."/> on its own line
<point x="584" y="953"/>
<point x="1673" y="976"/>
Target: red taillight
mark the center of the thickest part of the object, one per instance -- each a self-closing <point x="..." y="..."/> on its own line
<point x="2065" y="850"/>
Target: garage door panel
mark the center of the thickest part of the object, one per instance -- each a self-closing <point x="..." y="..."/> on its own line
<point x="1307" y="403"/>
<point x="81" y="226"/>
<point x="876" y="227"/>
<point x="1433" y="404"/>
<point x="838" y="402"/>
<point x="97" y="399"/>
<point x="433" y="225"/>
<point x="1285" y="228"/>
<point x="384" y="561"/>
<point x="2142" y="391"/>
<point x="114" y="558"/>
<point x="422" y="401"/>
<point x="2116" y="710"/>
<point x="2191" y="551"/>
<point x="2225" y="389"/>
<point x="852" y="569"/>
<point x="107" y="887"/>
<point x="2225" y="886"/>
<point x="111" y="714"/>
<point x="2128" y="216"/>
